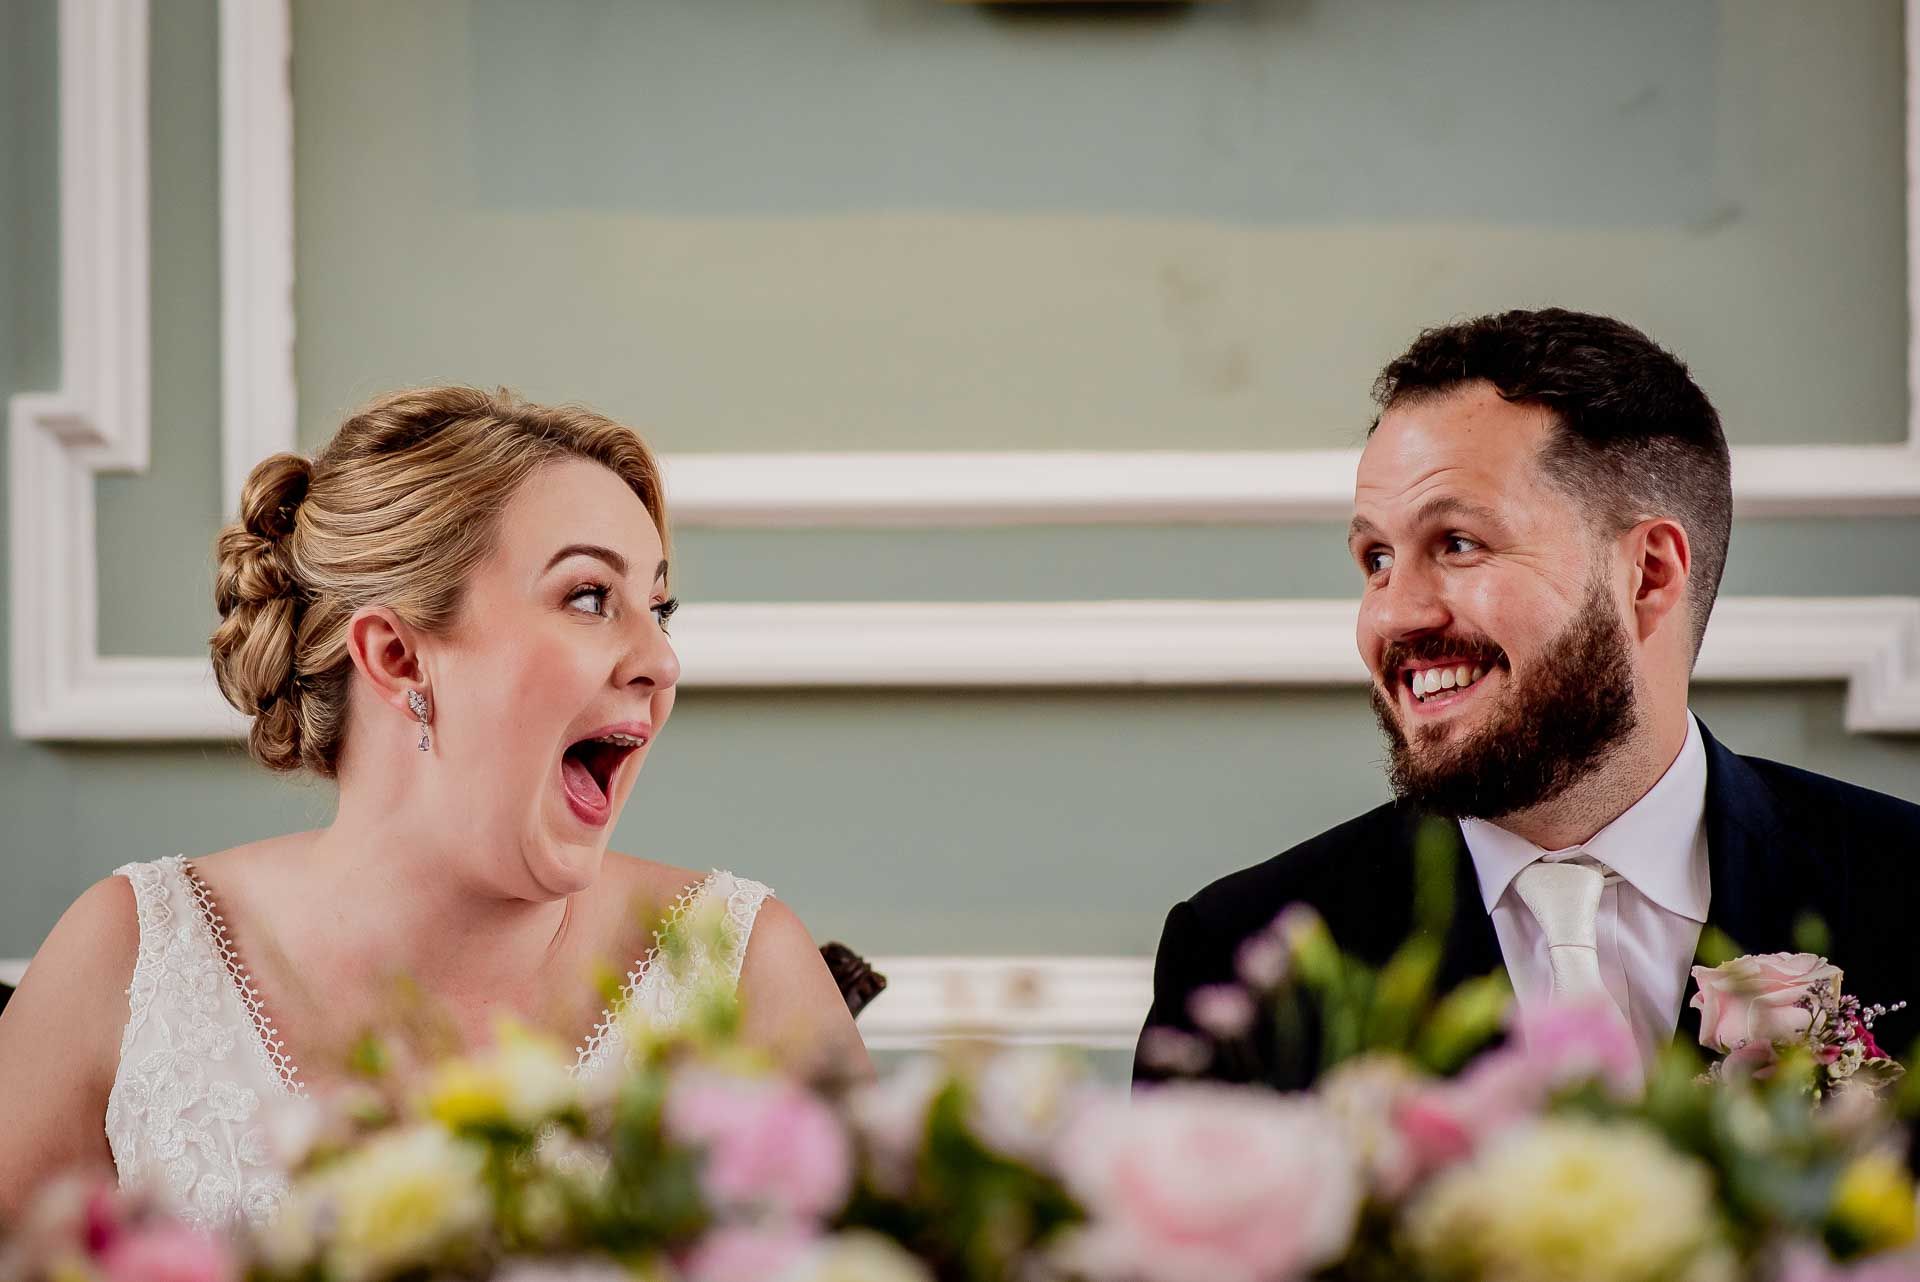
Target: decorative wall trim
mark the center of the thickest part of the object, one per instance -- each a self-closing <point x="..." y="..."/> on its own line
<point x="63" y="689"/>
<point x="256" y="238"/>
<point x="1096" y="1003"/>
<point x="1047" y="488"/>
<point x="1872" y="644"/>
<point x="100" y="419"/>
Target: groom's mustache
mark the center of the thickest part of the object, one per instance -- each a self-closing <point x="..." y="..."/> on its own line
<point x="1469" y="649"/>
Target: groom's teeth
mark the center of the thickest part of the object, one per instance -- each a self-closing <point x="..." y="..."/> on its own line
<point x="1431" y="681"/>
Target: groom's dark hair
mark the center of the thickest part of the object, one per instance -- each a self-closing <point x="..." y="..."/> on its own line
<point x="1637" y="437"/>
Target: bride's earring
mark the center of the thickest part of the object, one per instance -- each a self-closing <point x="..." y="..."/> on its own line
<point x="418" y="703"/>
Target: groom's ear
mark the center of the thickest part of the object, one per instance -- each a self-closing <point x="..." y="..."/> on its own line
<point x="1661" y="570"/>
<point x="384" y="650"/>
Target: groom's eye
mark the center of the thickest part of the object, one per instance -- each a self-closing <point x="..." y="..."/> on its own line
<point x="1375" y="560"/>
<point x="1460" y="544"/>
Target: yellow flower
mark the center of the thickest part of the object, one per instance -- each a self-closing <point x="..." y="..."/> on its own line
<point x="1567" y="1200"/>
<point x="523" y="1081"/>
<point x="1873" y="1203"/>
<point x="399" y="1202"/>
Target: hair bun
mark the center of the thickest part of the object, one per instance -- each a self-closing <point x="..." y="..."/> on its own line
<point x="273" y="493"/>
<point x="256" y="590"/>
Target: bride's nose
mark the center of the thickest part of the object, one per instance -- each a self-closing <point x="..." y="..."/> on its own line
<point x="650" y="661"/>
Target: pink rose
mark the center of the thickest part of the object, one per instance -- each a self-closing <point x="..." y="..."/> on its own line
<point x="1207" y="1183"/>
<point x="1762" y="998"/>
<point x="770" y="1144"/>
<point x="746" y="1255"/>
<point x="167" y="1252"/>
<point x="1551" y="1049"/>
<point x="1568" y="1043"/>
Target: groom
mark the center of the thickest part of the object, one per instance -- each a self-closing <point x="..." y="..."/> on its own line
<point x="1540" y="520"/>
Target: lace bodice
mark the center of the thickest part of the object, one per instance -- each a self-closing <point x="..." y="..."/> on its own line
<point x="204" y="1081"/>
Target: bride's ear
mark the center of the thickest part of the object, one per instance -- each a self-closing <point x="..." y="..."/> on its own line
<point x="385" y="650"/>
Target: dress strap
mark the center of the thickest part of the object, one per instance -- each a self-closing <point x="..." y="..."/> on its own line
<point x="153" y="907"/>
<point x="743" y="898"/>
<point x="657" y="993"/>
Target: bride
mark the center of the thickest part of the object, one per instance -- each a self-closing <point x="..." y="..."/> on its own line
<point x="458" y="612"/>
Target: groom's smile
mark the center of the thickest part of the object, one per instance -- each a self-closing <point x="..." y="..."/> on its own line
<point x="1489" y="619"/>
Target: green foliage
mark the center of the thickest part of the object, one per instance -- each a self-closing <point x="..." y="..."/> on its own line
<point x="973" y="1213"/>
<point x="1361" y="1009"/>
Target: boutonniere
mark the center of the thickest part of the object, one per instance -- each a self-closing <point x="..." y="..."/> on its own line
<point x="1755" y="1008"/>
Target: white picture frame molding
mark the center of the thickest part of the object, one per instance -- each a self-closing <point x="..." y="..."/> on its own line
<point x="99" y="421"/>
<point x="1092" y="1003"/>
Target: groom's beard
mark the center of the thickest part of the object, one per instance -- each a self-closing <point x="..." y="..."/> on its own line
<point x="1574" y="712"/>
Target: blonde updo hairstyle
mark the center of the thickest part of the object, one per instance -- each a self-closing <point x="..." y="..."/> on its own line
<point x="397" y="510"/>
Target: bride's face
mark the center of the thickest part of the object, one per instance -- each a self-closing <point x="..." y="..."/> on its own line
<point x="551" y="688"/>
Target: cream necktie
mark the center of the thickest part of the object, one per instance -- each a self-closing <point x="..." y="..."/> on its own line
<point x="1565" y="899"/>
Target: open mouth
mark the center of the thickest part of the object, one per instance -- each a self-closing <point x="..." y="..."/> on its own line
<point x="1440" y="684"/>
<point x="588" y="767"/>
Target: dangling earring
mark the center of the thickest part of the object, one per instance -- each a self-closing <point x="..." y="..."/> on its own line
<point x="418" y="703"/>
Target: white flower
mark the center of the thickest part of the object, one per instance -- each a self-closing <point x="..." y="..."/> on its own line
<point x="858" y="1256"/>
<point x="593" y="1268"/>
<point x="1566" y="1200"/>
<point x="1209" y="1183"/>
<point x="1022" y="1099"/>
<point x="400" y="1201"/>
<point x="1363" y="1095"/>
<point x="890" y="1117"/>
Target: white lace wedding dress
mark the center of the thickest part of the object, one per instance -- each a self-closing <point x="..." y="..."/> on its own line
<point x="203" y="1076"/>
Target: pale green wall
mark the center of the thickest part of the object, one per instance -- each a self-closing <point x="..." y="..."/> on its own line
<point x="834" y="224"/>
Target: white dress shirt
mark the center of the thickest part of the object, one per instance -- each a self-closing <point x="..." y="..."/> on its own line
<point x="1650" y="919"/>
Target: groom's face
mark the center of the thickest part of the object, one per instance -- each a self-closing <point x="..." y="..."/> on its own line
<point x="1489" y="619"/>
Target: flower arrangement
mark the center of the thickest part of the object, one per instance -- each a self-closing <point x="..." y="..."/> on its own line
<point x="1550" y="1157"/>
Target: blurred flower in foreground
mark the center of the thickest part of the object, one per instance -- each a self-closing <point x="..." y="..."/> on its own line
<point x="523" y="1081"/>
<point x="1202" y="1183"/>
<point x="1571" y="1200"/>
<point x="1873" y="1205"/>
<point x="407" y="1198"/>
<point x="771" y="1145"/>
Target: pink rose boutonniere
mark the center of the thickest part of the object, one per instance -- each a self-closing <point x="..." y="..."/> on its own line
<point x="1752" y="1008"/>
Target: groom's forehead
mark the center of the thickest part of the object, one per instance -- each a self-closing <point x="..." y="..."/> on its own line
<point x="1476" y="444"/>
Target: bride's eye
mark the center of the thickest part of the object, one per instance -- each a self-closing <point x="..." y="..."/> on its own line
<point x="589" y="598"/>
<point x="664" y="610"/>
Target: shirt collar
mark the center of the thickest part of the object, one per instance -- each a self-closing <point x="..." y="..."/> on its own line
<point x="1655" y="846"/>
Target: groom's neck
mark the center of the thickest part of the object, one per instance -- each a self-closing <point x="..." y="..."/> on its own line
<point x="1610" y="789"/>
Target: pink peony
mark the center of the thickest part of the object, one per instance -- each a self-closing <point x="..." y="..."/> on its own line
<point x="167" y="1252"/>
<point x="1551" y="1049"/>
<point x="1762" y="998"/>
<point x="1567" y="1043"/>
<point x="1208" y="1183"/>
<point x="746" y="1255"/>
<point x="770" y="1144"/>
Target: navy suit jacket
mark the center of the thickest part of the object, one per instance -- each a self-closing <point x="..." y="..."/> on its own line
<point x="1781" y="843"/>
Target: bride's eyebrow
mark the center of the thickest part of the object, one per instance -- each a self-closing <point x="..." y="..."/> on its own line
<point x="615" y="562"/>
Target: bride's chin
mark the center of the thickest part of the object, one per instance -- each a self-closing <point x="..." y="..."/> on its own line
<point x="562" y="869"/>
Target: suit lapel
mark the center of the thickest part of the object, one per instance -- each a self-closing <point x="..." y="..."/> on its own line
<point x="1472" y="949"/>
<point x="1750" y="896"/>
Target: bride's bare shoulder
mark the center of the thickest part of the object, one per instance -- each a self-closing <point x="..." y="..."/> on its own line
<point x="631" y="878"/>
<point x="83" y="966"/>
